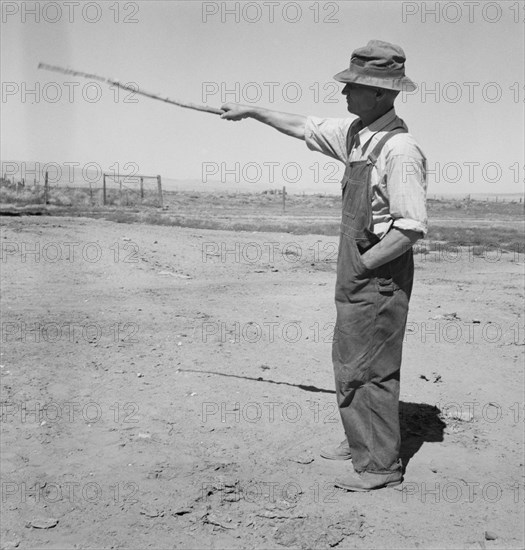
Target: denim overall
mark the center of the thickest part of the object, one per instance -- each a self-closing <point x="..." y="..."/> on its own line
<point x="372" y="307"/>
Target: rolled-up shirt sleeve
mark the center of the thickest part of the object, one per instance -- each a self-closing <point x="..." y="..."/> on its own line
<point x="407" y="190"/>
<point x="328" y="136"/>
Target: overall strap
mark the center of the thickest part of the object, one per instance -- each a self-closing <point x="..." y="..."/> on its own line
<point x="373" y="156"/>
<point x="350" y="140"/>
<point x="351" y="136"/>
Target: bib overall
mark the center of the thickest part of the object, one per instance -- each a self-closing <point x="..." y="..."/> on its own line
<point x="372" y="307"/>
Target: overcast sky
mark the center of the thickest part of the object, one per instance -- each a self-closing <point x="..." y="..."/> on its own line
<point x="283" y="56"/>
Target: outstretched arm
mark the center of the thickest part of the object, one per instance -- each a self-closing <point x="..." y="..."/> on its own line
<point x="289" y="124"/>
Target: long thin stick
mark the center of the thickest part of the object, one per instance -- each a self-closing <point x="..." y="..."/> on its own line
<point x="179" y="103"/>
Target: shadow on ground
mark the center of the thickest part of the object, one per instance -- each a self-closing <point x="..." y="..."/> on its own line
<point x="420" y="423"/>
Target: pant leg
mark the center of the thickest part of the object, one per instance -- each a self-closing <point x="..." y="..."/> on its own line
<point x="367" y="354"/>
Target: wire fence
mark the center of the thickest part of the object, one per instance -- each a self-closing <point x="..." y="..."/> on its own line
<point x="132" y="190"/>
<point x="62" y="184"/>
<point x="83" y="189"/>
<point x="477" y="197"/>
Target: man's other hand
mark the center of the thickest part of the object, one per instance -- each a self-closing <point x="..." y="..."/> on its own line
<point x="235" y="111"/>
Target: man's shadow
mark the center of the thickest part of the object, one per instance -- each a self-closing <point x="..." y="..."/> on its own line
<point x="420" y="423"/>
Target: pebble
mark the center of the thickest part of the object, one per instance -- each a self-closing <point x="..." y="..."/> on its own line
<point x="43" y="523"/>
<point x="181" y="510"/>
<point x="152" y="512"/>
<point x="11" y="544"/>
<point x="302" y="458"/>
<point x="465" y="416"/>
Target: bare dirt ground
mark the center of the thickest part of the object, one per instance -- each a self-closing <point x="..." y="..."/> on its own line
<point x="166" y="387"/>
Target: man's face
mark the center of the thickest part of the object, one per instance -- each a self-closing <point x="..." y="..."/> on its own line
<point x="360" y="99"/>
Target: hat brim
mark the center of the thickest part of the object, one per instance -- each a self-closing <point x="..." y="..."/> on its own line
<point x="403" y="84"/>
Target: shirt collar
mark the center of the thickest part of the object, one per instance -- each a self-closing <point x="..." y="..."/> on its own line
<point x="384" y="123"/>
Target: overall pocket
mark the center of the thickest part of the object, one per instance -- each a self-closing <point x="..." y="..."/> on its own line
<point x="385" y="280"/>
<point x="352" y="199"/>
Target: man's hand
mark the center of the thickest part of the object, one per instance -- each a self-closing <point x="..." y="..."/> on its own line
<point x="291" y="125"/>
<point x="235" y="111"/>
<point x="395" y="242"/>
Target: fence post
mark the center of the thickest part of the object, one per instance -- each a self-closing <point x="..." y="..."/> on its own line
<point x="141" y="187"/>
<point x="46" y="187"/>
<point x="104" y="189"/>
<point x="159" y="186"/>
<point x="284" y="198"/>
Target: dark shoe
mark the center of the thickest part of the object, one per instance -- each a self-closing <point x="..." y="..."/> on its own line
<point x="366" y="481"/>
<point x="341" y="452"/>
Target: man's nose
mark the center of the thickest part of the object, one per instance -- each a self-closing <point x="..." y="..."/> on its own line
<point x="346" y="90"/>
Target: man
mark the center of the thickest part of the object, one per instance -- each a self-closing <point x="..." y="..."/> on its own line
<point x="384" y="214"/>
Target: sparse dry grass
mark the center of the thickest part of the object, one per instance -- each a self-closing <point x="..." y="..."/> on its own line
<point x="458" y="223"/>
<point x="22" y="196"/>
<point x="74" y="197"/>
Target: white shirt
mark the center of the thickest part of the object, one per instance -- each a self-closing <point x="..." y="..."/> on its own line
<point x="398" y="178"/>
